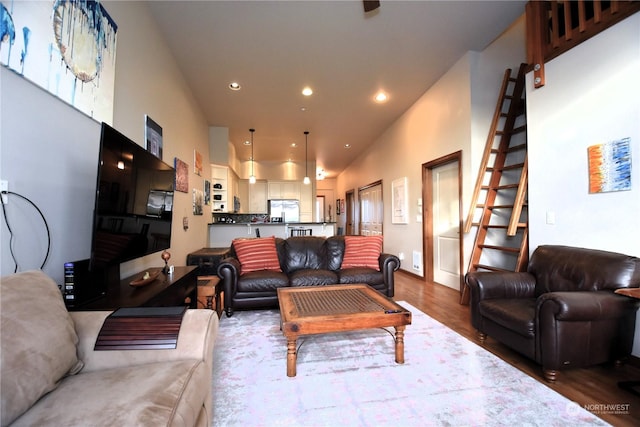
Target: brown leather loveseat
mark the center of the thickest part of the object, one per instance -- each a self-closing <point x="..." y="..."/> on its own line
<point x="562" y="312"/>
<point x="301" y="261"/>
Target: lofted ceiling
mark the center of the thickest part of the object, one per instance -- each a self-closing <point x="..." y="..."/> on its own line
<point x="273" y="49"/>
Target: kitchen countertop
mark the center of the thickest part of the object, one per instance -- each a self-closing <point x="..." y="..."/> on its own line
<point x="289" y="224"/>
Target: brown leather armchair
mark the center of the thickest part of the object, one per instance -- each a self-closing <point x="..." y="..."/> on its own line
<point x="563" y="311"/>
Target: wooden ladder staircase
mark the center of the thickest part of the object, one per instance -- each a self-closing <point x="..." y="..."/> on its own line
<point x="498" y="211"/>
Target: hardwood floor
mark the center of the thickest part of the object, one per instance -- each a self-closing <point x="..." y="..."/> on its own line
<point x="591" y="388"/>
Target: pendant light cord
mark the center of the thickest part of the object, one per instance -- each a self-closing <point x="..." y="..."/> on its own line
<point x="306" y="156"/>
<point x="252" y="177"/>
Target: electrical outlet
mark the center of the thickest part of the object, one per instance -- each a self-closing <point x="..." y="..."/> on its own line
<point x="4" y="187"/>
<point x="417" y="260"/>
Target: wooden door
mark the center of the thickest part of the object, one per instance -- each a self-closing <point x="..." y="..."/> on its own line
<point x="442" y="211"/>
<point x="371" y="209"/>
<point x="446" y="225"/>
<point x="351" y="213"/>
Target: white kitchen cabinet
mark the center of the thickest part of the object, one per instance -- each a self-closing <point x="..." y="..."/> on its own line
<point x="284" y="190"/>
<point x="306" y="203"/>
<point x="258" y="197"/>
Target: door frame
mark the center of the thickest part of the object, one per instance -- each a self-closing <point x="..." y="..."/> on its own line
<point x="350" y="224"/>
<point x="427" y="213"/>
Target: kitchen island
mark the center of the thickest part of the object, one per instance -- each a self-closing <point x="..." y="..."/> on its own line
<point x="221" y="234"/>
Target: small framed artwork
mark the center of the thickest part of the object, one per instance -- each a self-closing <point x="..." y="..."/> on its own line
<point x="338" y="211"/>
<point x="610" y="166"/>
<point x="207" y="192"/>
<point x="182" y="176"/>
<point x="399" y="206"/>
<point x="153" y="137"/>
<point x="197" y="202"/>
<point x="342" y="209"/>
<point x="197" y="163"/>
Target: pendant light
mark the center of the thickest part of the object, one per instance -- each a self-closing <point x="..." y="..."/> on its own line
<point x="306" y="180"/>
<point x="252" y="177"/>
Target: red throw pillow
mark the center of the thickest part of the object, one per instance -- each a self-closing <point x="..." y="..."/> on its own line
<point x="257" y="254"/>
<point x="362" y="251"/>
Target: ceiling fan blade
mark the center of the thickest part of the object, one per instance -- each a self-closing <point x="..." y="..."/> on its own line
<point x="370" y="5"/>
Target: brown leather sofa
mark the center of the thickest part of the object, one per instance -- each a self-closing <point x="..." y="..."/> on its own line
<point x="562" y="312"/>
<point x="304" y="261"/>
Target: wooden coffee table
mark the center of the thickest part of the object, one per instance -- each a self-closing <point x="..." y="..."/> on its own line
<point x="326" y="309"/>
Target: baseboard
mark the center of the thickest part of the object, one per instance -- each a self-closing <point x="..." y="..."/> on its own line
<point x="634" y="361"/>
<point x="408" y="273"/>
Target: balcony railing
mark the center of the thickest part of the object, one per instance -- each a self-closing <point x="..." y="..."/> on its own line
<point x="554" y="27"/>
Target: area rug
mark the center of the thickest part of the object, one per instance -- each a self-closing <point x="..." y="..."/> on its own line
<point x="351" y="379"/>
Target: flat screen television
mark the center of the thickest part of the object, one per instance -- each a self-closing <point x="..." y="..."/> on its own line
<point x="134" y="202"/>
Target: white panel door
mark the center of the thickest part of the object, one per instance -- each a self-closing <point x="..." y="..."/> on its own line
<point x="371" y="211"/>
<point x="446" y="226"/>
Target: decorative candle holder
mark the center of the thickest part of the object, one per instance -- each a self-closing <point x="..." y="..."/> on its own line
<point x="166" y="256"/>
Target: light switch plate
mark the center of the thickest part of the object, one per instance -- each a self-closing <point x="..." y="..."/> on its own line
<point x="551" y="217"/>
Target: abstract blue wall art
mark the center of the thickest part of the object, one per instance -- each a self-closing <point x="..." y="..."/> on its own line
<point x="67" y="47"/>
<point x="610" y="166"/>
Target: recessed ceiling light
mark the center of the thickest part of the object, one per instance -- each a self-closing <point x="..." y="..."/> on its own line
<point x="347" y="145"/>
<point x="307" y="91"/>
<point x="234" y="86"/>
<point x="303" y="109"/>
<point x="381" y="97"/>
<point x="294" y="145"/>
<point x="247" y="142"/>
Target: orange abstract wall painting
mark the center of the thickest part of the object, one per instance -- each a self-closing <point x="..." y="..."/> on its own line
<point x="610" y="166"/>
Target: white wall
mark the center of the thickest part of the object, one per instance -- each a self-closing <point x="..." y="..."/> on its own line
<point x="454" y="114"/>
<point x="148" y="81"/>
<point x="49" y="150"/>
<point x="590" y="97"/>
<point x="49" y="154"/>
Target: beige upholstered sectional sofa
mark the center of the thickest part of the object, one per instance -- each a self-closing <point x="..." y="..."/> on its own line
<point x="51" y="375"/>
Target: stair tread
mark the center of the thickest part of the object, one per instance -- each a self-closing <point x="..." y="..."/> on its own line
<point x="501" y="248"/>
<point x="518" y="147"/>
<point x="502" y="206"/>
<point x="513" y="166"/>
<point x="489" y="267"/>
<point x="520" y="225"/>
<point x="500" y="187"/>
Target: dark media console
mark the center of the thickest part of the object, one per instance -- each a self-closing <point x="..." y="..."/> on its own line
<point x="179" y="288"/>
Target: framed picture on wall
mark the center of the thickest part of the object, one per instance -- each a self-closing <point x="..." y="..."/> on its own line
<point x="338" y="211"/>
<point x="610" y="166"/>
<point x="68" y="48"/>
<point x="207" y="192"/>
<point x="153" y="137"/>
<point x="182" y="176"/>
<point x="197" y="162"/>
<point x="197" y="201"/>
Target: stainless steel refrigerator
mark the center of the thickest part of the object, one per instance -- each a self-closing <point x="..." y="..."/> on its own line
<point x="286" y="210"/>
